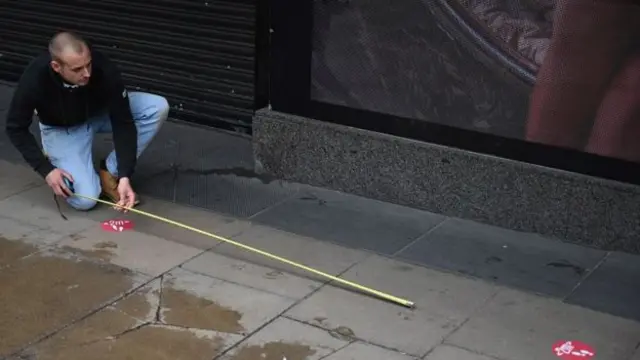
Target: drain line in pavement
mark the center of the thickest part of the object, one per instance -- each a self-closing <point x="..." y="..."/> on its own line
<point x="351" y="284"/>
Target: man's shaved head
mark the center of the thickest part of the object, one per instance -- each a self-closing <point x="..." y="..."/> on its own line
<point x="65" y="42"/>
<point x="71" y="58"/>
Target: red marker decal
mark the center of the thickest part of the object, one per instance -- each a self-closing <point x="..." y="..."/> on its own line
<point x="117" y="225"/>
<point x="573" y="350"/>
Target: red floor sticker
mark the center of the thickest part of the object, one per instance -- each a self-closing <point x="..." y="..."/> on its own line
<point x="573" y="350"/>
<point x="117" y="225"/>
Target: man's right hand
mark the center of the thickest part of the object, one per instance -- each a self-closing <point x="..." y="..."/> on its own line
<point x="55" y="180"/>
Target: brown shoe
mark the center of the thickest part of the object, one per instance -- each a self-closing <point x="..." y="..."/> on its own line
<point x="109" y="184"/>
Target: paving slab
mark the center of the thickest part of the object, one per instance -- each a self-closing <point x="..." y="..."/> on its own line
<point x="286" y="339"/>
<point x="49" y="289"/>
<point x="636" y="356"/>
<point x="36" y="207"/>
<point x="133" y="250"/>
<point x="16" y="178"/>
<point x="446" y="352"/>
<point x="350" y="220"/>
<point x="613" y="287"/>
<point x="252" y="275"/>
<point x="233" y="308"/>
<point x="323" y="256"/>
<point x="129" y="329"/>
<point x="443" y="302"/>
<point x="510" y="258"/>
<point x="358" y="350"/>
<point x="517" y="325"/>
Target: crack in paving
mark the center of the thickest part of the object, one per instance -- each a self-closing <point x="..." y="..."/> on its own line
<point x="158" y="317"/>
<point x="238" y="346"/>
<point x="116" y="331"/>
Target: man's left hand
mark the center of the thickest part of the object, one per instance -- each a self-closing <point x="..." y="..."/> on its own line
<point x="127" y="196"/>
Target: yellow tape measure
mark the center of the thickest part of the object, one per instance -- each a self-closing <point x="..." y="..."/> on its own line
<point x="351" y="284"/>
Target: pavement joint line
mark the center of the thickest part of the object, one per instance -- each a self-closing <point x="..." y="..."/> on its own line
<point x="586" y="276"/>
<point x="281" y="314"/>
<point x="468" y="350"/>
<point x="337" y="350"/>
<point x="275" y="205"/>
<point x="354" y="339"/>
<point x="463" y="323"/>
<point x="243" y="285"/>
<point x="420" y="237"/>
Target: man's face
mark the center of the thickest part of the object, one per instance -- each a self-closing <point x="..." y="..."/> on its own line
<point x="75" y="68"/>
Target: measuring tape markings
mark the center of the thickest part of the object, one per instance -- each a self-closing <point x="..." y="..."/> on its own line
<point x="351" y="284"/>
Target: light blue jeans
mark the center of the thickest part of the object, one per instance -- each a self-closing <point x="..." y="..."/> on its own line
<point x="71" y="149"/>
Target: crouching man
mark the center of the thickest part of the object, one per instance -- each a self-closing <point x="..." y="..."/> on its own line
<point x="77" y="92"/>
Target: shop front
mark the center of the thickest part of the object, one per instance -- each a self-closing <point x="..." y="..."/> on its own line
<point x="522" y="114"/>
<point x="199" y="55"/>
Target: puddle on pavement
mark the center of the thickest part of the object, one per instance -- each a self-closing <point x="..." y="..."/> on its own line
<point x="110" y="335"/>
<point x="41" y="293"/>
<point x="106" y="245"/>
<point x="97" y="254"/>
<point x="136" y="305"/>
<point x="184" y="309"/>
<point x="126" y="330"/>
<point x="274" y="351"/>
<point x="11" y="251"/>
<point x="102" y="251"/>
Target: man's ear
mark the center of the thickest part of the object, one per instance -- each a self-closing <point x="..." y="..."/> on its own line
<point x="56" y="66"/>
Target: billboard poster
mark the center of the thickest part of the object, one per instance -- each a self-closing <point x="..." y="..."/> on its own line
<point x="564" y="73"/>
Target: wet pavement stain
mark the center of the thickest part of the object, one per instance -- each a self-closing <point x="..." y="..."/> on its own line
<point x="43" y="292"/>
<point x="403" y="268"/>
<point x="103" y="255"/>
<point x="136" y="305"/>
<point x="106" y="245"/>
<point x="181" y="308"/>
<point x="272" y="275"/>
<point x="112" y="335"/>
<point x="342" y="333"/>
<point x="11" y="251"/>
<point x="274" y="351"/>
<point x="563" y="264"/>
<point x="320" y="319"/>
<point x="492" y="260"/>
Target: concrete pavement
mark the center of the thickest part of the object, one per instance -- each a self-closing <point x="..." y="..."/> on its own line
<point x="73" y="291"/>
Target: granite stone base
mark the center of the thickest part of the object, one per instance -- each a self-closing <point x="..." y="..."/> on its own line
<point x="510" y="194"/>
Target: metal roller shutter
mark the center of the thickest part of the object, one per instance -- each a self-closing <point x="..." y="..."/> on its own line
<point x="198" y="54"/>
